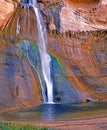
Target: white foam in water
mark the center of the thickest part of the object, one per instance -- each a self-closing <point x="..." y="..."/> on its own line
<point x="18" y="27"/>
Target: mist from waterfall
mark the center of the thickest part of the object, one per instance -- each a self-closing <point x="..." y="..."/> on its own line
<point x="44" y="56"/>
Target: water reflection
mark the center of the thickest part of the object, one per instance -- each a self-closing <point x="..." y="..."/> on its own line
<point x="55" y="112"/>
<point x="47" y="112"/>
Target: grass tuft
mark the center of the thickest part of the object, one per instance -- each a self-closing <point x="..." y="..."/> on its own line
<point x="17" y="126"/>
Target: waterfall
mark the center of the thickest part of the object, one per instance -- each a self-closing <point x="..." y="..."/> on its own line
<point x="44" y="56"/>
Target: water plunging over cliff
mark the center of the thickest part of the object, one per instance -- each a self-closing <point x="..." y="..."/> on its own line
<point x="44" y="56"/>
<point x="25" y="31"/>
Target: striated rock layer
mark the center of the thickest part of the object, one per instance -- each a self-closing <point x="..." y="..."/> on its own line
<point x="18" y="81"/>
<point x="6" y="10"/>
<point x="80" y="15"/>
<point x="75" y="15"/>
<point x="83" y="16"/>
<point x="84" y="59"/>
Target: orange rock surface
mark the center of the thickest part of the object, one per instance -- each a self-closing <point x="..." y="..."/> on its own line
<point x="83" y="15"/>
<point x="75" y="15"/>
<point x="84" y="61"/>
<point x="18" y="84"/>
<point x="6" y="10"/>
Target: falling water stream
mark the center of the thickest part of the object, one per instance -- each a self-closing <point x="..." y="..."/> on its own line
<point x="44" y="56"/>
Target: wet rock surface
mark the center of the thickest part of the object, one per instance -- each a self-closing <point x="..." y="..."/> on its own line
<point x="83" y="56"/>
<point x="18" y="85"/>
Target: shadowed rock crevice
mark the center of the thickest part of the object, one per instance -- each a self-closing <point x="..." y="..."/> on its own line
<point x="51" y="13"/>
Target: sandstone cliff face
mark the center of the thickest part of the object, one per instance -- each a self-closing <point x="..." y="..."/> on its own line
<point x="77" y="15"/>
<point x="77" y="36"/>
<point x="84" y="58"/>
<point x="73" y="15"/>
<point x="6" y="10"/>
<point x="83" y="16"/>
<point x="18" y="85"/>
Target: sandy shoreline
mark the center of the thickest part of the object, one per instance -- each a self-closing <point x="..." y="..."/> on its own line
<point x="84" y="124"/>
<point x="99" y="123"/>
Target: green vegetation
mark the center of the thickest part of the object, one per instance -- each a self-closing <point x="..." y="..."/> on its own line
<point x="19" y="126"/>
<point x="105" y="38"/>
<point x="52" y="6"/>
<point x="56" y="59"/>
<point x="23" y="50"/>
<point x="33" y="45"/>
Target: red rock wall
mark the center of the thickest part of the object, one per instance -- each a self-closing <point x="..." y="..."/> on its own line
<point x="84" y="15"/>
<point x="83" y="56"/>
<point x="18" y="81"/>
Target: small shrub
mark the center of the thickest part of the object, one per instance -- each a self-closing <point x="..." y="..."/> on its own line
<point x="105" y="38"/>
